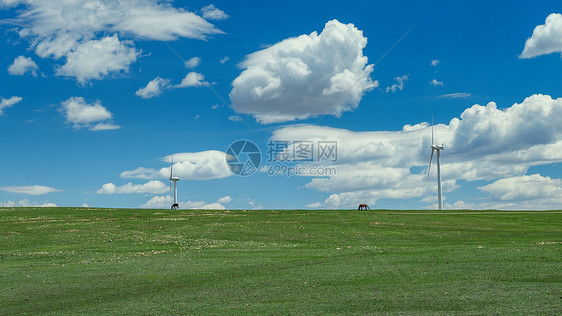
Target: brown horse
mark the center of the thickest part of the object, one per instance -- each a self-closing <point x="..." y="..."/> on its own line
<point x="363" y="207"/>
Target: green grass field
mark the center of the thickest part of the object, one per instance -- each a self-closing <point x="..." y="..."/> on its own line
<point x="121" y="261"/>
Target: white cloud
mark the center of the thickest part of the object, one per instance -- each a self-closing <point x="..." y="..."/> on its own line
<point x="224" y="59"/>
<point x="153" y="187"/>
<point x="524" y="188"/>
<point x="154" y="88"/>
<point x="205" y="165"/>
<point x="456" y="95"/>
<point x="434" y="62"/>
<point x="54" y="46"/>
<point x="211" y="12"/>
<point x="315" y="205"/>
<point x="525" y="192"/>
<point x="235" y="118"/>
<point x="23" y="65"/>
<point x="399" y="85"/>
<point x="28" y="203"/>
<point x="193" y="79"/>
<point x="204" y="206"/>
<point x="152" y="20"/>
<point x="104" y="127"/>
<point x="225" y="200"/>
<point x="30" y="189"/>
<point x="202" y="165"/>
<point x="305" y="76"/>
<point x="70" y="30"/>
<point x="193" y="62"/>
<point x="95" y="59"/>
<point x="140" y="173"/>
<point x="166" y="201"/>
<point x="165" y="22"/>
<point x="6" y="103"/>
<point x="458" y="205"/>
<point x="9" y="3"/>
<point x="157" y="85"/>
<point x="546" y="38"/>
<point x="254" y="205"/>
<point x="485" y="143"/>
<point x="436" y="83"/>
<point x="94" y="116"/>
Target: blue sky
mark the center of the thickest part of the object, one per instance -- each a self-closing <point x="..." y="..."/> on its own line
<point x="98" y="95"/>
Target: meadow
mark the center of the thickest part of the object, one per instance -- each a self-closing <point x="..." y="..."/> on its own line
<point x="279" y="262"/>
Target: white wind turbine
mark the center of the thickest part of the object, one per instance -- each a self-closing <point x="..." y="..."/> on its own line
<point x="175" y="180"/>
<point x="437" y="148"/>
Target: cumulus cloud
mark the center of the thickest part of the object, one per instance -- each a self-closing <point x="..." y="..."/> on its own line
<point x="193" y="62"/>
<point x="524" y="188"/>
<point x="6" y="103"/>
<point x="81" y="114"/>
<point x="224" y="59"/>
<point x="154" y="88"/>
<point x="30" y="189"/>
<point x="70" y="30"/>
<point x="486" y="143"/>
<point x="153" y="187"/>
<point x="436" y="83"/>
<point x="204" y="165"/>
<point x="211" y="12"/>
<point x="166" y="201"/>
<point x="546" y="38"/>
<point x="399" y="85"/>
<point x="305" y="76"/>
<point x="95" y="59"/>
<point x="524" y="192"/>
<point x="193" y="79"/>
<point x="434" y="62"/>
<point x="23" y="65"/>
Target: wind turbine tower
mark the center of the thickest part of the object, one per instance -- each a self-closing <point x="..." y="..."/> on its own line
<point x="175" y="180"/>
<point x="437" y="148"/>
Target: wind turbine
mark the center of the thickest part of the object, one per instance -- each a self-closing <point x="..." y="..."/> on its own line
<point x="438" y="148"/>
<point x="175" y="180"/>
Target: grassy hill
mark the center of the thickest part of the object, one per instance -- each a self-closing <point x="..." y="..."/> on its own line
<point x="124" y="261"/>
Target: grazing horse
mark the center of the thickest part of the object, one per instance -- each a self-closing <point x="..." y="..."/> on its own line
<point x="363" y="207"/>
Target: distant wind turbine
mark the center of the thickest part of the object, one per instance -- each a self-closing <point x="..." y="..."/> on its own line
<point x="437" y="148"/>
<point x="175" y="180"/>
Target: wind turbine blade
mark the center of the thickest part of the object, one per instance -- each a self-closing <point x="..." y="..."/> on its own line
<point x="430" y="159"/>
<point x="172" y="167"/>
<point x="171" y="173"/>
<point x="432" y="141"/>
